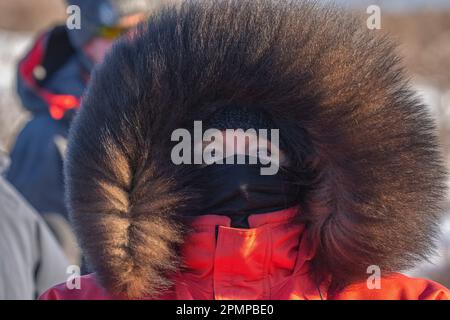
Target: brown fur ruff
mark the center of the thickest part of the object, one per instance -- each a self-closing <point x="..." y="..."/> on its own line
<point x="377" y="179"/>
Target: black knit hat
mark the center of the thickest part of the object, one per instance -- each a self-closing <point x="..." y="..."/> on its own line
<point x="234" y="117"/>
<point x="239" y="117"/>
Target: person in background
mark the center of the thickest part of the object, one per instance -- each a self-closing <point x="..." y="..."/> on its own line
<point x="31" y="259"/>
<point x="51" y="80"/>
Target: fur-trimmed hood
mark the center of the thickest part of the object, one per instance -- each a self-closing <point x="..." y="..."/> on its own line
<point x="334" y="88"/>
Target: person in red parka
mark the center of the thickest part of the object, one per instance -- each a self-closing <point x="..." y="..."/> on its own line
<point x="168" y="205"/>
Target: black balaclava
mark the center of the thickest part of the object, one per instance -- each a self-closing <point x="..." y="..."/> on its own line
<point x="239" y="190"/>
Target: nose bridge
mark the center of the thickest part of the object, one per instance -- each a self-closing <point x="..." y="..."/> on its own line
<point x="241" y="263"/>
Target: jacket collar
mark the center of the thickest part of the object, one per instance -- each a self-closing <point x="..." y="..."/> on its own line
<point x="219" y="258"/>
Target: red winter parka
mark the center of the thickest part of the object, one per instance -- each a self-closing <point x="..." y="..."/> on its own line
<point x="360" y="153"/>
<point x="269" y="261"/>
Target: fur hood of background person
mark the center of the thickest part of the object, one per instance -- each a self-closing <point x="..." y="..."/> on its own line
<point x="336" y="90"/>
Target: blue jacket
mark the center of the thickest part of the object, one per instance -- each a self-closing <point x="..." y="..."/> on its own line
<point x="51" y="80"/>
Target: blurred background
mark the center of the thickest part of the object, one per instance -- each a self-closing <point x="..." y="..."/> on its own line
<point x="421" y="27"/>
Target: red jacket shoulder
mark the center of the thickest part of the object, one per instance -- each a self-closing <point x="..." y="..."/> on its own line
<point x="89" y="289"/>
<point x="395" y="287"/>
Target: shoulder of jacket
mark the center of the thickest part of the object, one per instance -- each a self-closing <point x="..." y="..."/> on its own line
<point x="84" y="288"/>
<point x="395" y="286"/>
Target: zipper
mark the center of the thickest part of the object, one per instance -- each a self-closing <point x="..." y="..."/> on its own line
<point x="216" y="233"/>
